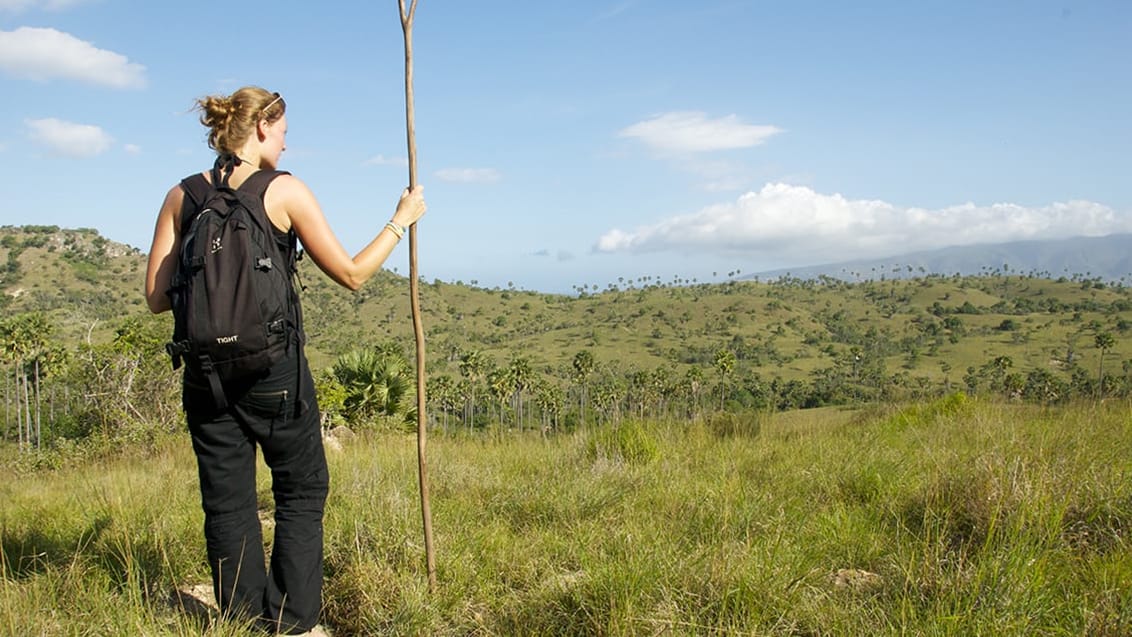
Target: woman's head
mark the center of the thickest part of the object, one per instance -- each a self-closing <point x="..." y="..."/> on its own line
<point x="232" y="119"/>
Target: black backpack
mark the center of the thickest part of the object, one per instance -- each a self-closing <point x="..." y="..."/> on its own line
<point x="235" y="309"/>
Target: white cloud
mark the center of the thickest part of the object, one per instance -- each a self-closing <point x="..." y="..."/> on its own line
<point x="694" y="132"/>
<point x="69" y="139"/>
<point x="44" y="54"/>
<point x="382" y="160"/>
<point x="795" y="224"/>
<point x="469" y="175"/>
<point x="15" y="6"/>
<point x="132" y="149"/>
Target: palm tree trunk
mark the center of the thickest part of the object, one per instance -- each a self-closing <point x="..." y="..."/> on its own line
<point x="1100" y="376"/>
<point x="7" y="403"/>
<point x="27" y="411"/>
<point x="38" y="404"/>
<point x="19" y="409"/>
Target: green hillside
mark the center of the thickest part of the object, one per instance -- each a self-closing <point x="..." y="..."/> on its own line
<point x="791" y="343"/>
<point x="77" y="273"/>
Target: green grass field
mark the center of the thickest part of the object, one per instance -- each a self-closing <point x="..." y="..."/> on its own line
<point x="954" y="517"/>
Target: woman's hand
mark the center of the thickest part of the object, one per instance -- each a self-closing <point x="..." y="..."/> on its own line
<point x="411" y="207"/>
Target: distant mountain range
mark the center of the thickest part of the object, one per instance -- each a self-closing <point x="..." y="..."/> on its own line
<point x="1108" y="258"/>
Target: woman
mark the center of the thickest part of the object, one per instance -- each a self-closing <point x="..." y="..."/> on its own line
<point x="248" y="131"/>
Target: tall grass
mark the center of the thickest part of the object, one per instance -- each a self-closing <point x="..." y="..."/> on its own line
<point x="950" y="518"/>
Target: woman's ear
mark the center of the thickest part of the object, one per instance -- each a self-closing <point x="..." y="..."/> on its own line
<point x="261" y="129"/>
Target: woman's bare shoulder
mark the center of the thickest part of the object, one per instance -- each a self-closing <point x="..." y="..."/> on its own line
<point x="290" y="191"/>
<point x="171" y="207"/>
<point x="174" y="196"/>
<point x="287" y="182"/>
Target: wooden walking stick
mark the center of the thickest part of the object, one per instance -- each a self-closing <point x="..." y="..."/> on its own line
<point x="414" y="293"/>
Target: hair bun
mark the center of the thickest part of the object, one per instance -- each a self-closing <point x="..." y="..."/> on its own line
<point x="231" y="119"/>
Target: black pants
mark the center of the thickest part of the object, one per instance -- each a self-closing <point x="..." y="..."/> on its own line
<point x="286" y="597"/>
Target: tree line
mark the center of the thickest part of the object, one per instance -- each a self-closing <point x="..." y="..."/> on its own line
<point x="125" y="388"/>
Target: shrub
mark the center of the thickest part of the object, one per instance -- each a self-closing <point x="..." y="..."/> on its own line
<point x="376" y="382"/>
<point x="744" y="424"/>
<point x="628" y="442"/>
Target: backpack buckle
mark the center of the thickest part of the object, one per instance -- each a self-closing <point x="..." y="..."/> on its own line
<point x="176" y="352"/>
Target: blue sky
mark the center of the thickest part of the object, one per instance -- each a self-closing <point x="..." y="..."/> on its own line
<point x="566" y="143"/>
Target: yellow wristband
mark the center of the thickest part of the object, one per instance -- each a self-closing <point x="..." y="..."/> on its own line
<point x="395" y="229"/>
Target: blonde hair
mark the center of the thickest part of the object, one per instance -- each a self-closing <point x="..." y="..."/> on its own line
<point x="232" y="119"/>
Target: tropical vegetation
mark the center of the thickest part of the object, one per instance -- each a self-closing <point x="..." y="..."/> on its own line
<point x="898" y="453"/>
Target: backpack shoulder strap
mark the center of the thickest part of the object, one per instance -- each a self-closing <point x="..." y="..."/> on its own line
<point x="196" y="187"/>
<point x="197" y="190"/>
<point x="256" y="184"/>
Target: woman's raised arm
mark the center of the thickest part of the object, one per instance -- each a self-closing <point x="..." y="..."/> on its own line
<point x="319" y="241"/>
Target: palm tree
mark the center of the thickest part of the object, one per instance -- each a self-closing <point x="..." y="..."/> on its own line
<point x="472" y="366"/>
<point x="609" y="391"/>
<point x="13" y="348"/>
<point x="550" y="399"/>
<point x="521" y="375"/>
<point x="442" y="391"/>
<point x="500" y="385"/>
<point x="725" y="365"/>
<point x="693" y="382"/>
<point x="639" y="390"/>
<point x="23" y="338"/>
<point x="583" y="369"/>
<point x="662" y="387"/>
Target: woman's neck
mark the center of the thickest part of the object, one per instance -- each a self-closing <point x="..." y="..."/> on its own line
<point x="249" y="155"/>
